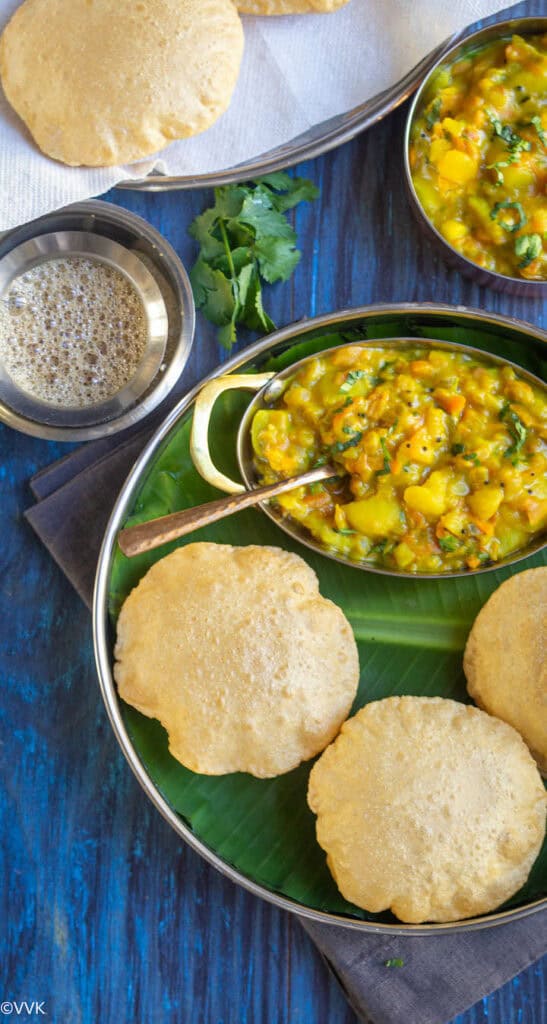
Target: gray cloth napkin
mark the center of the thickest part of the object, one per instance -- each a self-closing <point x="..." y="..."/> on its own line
<point x="441" y="975"/>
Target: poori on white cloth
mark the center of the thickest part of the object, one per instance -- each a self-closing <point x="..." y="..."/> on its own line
<point x="102" y="83"/>
<point x="505" y="659"/>
<point x="429" y="807"/>
<point x="239" y="656"/>
<point x="262" y="7"/>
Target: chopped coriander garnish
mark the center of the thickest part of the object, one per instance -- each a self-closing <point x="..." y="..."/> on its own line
<point x="529" y="247"/>
<point x="472" y="457"/>
<point x="352" y="377"/>
<point x="316" y="488"/>
<point x="321" y="460"/>
<point x="349" y="401"/>
<point x="245" y="238"/>
<point x="536" y="121"/>
<point x="394" y="961"/>
<point x="510" y="224"/>
<point x="385" y="453"/>
<point x="448" y="543"/>
<point x="384" y="547"/>
<point x="434" y="113"/>
<point x="457" y="449"/>
<point x="514" y="141"/>
<point x="342" y="446"/>
<point x="516" y="428"/>
<point x="346" y="533"/>
<point x="483" y="556"/>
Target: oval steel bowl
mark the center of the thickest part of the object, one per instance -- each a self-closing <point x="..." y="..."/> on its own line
<point x="257" y="356"/>
<point x="245" y="458"/>
<point x="500" y="282"/>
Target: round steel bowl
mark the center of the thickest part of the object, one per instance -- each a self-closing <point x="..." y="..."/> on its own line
<point x="262" y="400"/>
<point x="109" y="234"/>
<point x="257" y="356"/>
<point x="501" y="282"/>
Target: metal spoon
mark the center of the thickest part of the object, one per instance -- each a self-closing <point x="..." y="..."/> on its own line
<point x="146" y="536"/>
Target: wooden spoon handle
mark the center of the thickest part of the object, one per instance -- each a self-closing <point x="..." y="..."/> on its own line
<point x="146" y="536"/>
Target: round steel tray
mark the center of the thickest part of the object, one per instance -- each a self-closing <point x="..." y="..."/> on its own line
<point x="275" y="343"/>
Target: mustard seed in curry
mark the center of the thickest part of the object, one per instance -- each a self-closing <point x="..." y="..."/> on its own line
<point x="478" y="156"/>
<point x="442" y="457"/>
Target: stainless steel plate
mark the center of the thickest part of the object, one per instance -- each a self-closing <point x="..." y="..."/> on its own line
<point x="414" y="319"/>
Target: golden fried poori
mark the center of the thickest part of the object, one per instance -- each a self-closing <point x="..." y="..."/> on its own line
<point x="235" y="651"/>
<point x="505" y="659"/>
<point x="107" y="83"/>
<point x="428" y="807"/>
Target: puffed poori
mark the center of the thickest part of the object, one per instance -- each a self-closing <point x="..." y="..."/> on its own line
<point x="102" y="83"/>
<point x="262" y="7"/>
<point x="238" y="655"/>
<point x="429" y="807"/>
<point x="505" y="659"/>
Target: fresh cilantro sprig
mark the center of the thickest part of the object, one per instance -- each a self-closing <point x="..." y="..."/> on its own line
<point x="245" y="238"/>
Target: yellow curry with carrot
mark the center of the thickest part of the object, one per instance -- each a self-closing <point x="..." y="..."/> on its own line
<point x="478" y="156"/>
<point x="442" y="457"/>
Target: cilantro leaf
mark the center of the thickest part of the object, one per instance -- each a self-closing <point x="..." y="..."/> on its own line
<point x="253" y="314"/>
<point x="529" y="247"/>
<point x="516" y="429"/>
<point x="394" y="961"/>
<point x="277" y="258"/>
<point x="300" y="190"/>
<point x="434" y="113"/>
<point x="259" y="213"/>
<point x="513" y="140"/>
<point x="342" y="446"/>
<point x="448" y="543"/>
<point x="245" y="237"/>
<point x="536" y="121"/>
<point x="213" y="293"/>
<point x="351" y="378"/>
<point x="387" y="464"/>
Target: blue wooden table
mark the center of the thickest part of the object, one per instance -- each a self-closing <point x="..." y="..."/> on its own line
<point x="106" y="916"/>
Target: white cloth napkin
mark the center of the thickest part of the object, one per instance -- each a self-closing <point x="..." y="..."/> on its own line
<point x="296" y="72"/>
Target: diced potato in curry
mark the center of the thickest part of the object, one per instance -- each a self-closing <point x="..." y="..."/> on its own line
<point x="442" y="457"/>
<point x="478" y="156"/>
